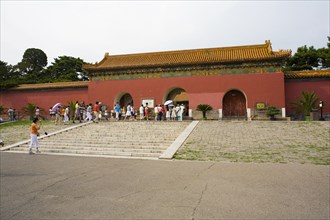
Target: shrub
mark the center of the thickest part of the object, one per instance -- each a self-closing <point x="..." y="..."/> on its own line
<point x="306" y="103"/>
<point x="30" y="110"/>
<point x="204" y="108"/>
<point x="272" y="111"/>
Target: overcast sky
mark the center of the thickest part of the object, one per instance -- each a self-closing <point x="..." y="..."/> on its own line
<point x="89" y="29"/>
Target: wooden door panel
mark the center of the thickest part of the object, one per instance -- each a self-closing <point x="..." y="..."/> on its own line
<point x="234" y="104"/>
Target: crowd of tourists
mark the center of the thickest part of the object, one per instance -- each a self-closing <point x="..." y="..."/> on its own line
<point x="98" y="111"/>
<point x="12" y="114"/>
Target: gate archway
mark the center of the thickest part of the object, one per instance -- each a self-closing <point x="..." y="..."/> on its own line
<point x="179" y="96"/>
<point x="234" y="104"/>
<point x="124" y="99"/>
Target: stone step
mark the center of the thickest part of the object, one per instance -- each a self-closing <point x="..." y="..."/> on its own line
<point x="94" y="148"/>
<point x="86" y="152"/>
<point x="156" y="146"/>
<point x="109" y="141"/>
<point x="105" y="144"/>
<point x="115" y="139"/>
<point x="111" y="133"/>
<point x="151" y="135"/>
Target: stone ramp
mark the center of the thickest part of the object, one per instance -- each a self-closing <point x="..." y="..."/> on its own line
<point x="147" y="140"/>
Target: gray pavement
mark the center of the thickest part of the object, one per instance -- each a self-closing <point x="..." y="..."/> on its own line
<point x="62" y="187"/>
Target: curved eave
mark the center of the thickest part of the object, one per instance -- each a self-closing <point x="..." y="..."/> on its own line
<point x="307" y="74"/>
<point x="59" y="85"/>
<point x="224" y="62"/>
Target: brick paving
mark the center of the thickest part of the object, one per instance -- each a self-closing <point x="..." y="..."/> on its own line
<point x="259" y="141"/>
<point x="239" y="141"/>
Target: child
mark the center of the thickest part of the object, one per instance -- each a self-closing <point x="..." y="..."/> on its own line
<point x="34" y="136"/>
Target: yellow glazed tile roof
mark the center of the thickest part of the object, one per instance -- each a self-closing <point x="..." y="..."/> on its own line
<point x="190" y="57"/>
<point x="307" y="74"/>
<point x="76" y="84"/>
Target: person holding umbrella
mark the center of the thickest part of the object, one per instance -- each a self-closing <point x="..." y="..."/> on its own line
<point x="57" y="112"/>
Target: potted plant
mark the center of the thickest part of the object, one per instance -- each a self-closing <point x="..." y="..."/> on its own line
<point x="271" y="111"/>
<point x="204" y="108"/>
<point x="30" y="110"/>
<point x="306" y="103"/>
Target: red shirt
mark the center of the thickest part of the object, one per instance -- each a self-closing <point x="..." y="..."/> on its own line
<point x="96" y="108"/>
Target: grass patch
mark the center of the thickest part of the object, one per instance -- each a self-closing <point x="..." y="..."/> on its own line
<point x="15" y="123"/>
<point x="319" y="160"/>
<point x="317" y="148"/>
<point x="21" y="123"/>
<point x="187" y="154"/>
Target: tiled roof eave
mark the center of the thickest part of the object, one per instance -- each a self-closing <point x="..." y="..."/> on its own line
<point x="307" y="74"/>
<point x="61" y="85"/>
<point x="225" y="62"/>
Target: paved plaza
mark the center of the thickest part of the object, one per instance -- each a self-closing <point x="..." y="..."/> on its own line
<point x="63" y="187"/>
<point x="259" y="141"/>
<point x="241" y="170"/>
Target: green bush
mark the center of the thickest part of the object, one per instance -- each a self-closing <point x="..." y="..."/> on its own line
<point x="30" y="110"/>
<point x="204" y="108"/>
<point x="272" y="111"/>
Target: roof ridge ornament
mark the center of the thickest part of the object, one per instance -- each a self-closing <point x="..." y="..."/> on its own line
<point x="269" y="46"/>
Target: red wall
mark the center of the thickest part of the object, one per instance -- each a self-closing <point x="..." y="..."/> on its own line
<point x="267" y="87"/>
<point x="293" y="90"/>
<point x="42" y="98"/>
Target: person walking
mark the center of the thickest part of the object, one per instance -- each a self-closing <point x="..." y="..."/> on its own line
<point x="89" y="116"/>
<point x="141" y="111"/>
<point x="178" y="112"/>
<point x="181" y="111"/>
<point x="37" y="112"/>
<point x="34" y="136"/>
<point x="168" y="113"/>
<point x="173" y="114"/>
<point x="66" y="115"/>
<point x="58" y="116"/>
<point x="117" y="110"/>
<point x="51" y="113"/>
<point x="76" y="112"/>
<point x="146" y="111"/>
<point x="160" y="113"/>
<point x="156" y="112"/>
<point x="133" y="113"/>
<point x="128" y="111"/>
<point x="11" y="114"/>
<point x="96" y="111"/>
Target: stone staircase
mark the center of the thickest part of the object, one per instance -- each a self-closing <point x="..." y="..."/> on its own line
<point x="112" y="139"/>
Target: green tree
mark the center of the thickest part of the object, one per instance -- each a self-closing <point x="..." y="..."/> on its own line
<point x="204" y="108"/>
<point x="32" y="66"/>
<point x="306" y="103"/>
<point x="30" y="110"/>
<point x="2" y="110"/>
<point x="67" y="68"/>
<point x="8" y="77"/>
<point x="324" y="56"/>
<point x="308" y="58"/>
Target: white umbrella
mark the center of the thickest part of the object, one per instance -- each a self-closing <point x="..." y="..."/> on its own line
<point x="56" y="106"/>
<point x="168" y="102"/>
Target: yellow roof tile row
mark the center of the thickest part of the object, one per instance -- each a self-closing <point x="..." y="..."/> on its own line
<point x="190" y="57"/>
<point x="58" y="85"/>
<point x="307" y="74"/>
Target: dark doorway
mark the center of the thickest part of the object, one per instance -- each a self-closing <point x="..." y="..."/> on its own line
<point x="179" y="96"/>
<point x="125" y="100"/>
<point x="234" y="104"/>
